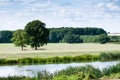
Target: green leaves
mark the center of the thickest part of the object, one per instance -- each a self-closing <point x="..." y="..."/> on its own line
<point x="37" y="33"/>
<point x="19" y="38"/>
<point x="103" y="38"/>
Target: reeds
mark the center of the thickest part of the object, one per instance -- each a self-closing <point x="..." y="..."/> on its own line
<point x="73" y="73"/>
<point x="65" y="59"/>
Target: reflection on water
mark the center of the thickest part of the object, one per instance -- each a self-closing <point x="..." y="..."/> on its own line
<point x="31" y="70"/>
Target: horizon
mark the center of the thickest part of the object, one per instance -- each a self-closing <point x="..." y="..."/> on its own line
<point x="55" y="14"/>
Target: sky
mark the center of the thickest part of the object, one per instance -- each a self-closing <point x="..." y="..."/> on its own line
<point x="15" y="14"/>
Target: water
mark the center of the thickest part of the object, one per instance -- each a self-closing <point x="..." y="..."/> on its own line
<point x="31" y="70"/>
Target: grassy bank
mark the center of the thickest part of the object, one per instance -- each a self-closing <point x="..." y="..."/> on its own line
<point x="65" y="59"/>
<point x="76" y="73"/>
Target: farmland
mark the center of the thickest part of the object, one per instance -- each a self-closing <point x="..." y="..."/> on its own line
<point x="57" y="49"/>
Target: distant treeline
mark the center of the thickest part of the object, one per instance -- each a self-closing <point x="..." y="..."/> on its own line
<point x="5" y="36"/>
<point x="71" y="35"/>
<point x="64" y="34"/>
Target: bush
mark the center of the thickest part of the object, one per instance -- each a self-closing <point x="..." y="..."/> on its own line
<point x="89" y="38"/>
<point x="2" y="61"/>
<point x="71" y="38"/>
<point x="11" y="61"/>
<point x="103" y="38"/>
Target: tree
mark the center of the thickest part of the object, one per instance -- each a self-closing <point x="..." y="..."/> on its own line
<point x="114" y="38"/>
<point x="19" y="38"/>
<point x="37" y="33"/>
<point x="5" y="36"/>
<point x="57" y="34"/>
<point x="71" y="38"/>
<point x="103" y="38"/>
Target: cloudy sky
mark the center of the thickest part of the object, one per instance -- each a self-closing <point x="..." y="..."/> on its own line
<point x="15" y="14"/>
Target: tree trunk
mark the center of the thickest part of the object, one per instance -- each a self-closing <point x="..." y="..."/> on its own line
<point x="35" y="47"/>
<point x="22" y="48"/>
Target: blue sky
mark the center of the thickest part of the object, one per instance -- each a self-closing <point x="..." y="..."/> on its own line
<point x="15" y="14"/>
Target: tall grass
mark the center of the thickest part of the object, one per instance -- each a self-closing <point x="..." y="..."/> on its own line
<point x="110" y="56"/>
<point x="85" y="70"/>
<point x="74" y="73"/>
<point x="65" y="59"/>
<point x="111" y="70"/>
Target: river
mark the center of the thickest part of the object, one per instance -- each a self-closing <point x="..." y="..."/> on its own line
<point x="31" y="70"/>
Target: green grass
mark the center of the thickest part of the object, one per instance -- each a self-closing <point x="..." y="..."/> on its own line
<point x="58" y="49"/>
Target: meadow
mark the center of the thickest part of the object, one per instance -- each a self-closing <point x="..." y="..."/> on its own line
<point x="9" y="51"/>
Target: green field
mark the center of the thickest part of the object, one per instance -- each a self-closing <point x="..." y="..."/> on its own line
<point x="57" y="49"/>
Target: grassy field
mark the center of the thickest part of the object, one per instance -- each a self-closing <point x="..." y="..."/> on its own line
<point x="58" y="49"/>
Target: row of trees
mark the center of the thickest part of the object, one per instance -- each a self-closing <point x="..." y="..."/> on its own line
<point x="59" y="34"/>
<point x="34" y="34"/>
<point x="5" y="36"/>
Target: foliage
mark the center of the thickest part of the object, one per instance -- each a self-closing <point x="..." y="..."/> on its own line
<point x="109" y="56"/>
<point x="114" y="38"/>
<point x="58" y="34"/>
<point x="112" y="76"/>
<point x="37" y="33"/>
<point x="89" y="38"/>
<point x="111" y="70"/>
<point x="5" y="36"/>
<point x="71" y="38"/>
<point x="19" y="38"/>
<point x="44" y="75"/>
<point x="103" y="38"/>
<point x="65" y="59"/>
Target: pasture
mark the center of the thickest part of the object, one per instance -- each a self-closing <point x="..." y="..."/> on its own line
<point x="9" y="51"/>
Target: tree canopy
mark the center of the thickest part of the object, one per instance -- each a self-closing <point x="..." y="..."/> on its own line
<point x="71" y="38"/>
<point x="103" y="38"/>
<point x="88" y="34"/>
<point x="37" y="33"/>
<point x="57" y="34"/>
<point x="19" y="38"/>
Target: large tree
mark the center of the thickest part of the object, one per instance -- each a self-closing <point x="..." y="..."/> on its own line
<point x="37" y="33"/>
<point x="19" y="38"/>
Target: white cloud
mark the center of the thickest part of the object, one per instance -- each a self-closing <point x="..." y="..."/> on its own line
<point x="113" y="7"/>
<point x="71" y="14"/>
<point x="3" y="12"/>
<point x="101" y="6"/>
<point x="5" y="2"/>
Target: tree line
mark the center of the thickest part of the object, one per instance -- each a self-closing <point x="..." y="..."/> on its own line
<point x="59" y="34"/>
<point x="65" y="33"/>
<point x="35" y="34"/>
